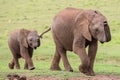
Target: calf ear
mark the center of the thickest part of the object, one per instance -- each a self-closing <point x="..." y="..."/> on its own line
<point x="23" y="37"/>
<point x="82" y="24"/>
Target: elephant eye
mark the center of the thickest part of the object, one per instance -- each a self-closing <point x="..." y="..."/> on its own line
<point x="30" y="39"/>
<point x="30" y="44"/>
<point x="96" y="12"/>
<point x="105" y="23"/>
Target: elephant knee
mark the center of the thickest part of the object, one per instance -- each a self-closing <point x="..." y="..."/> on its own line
<point x="75" y="50"/>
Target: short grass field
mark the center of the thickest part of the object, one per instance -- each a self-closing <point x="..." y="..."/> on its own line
<point x="38" y="15"/>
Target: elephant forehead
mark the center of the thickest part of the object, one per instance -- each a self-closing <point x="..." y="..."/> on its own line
<point x="33" y="33"/>
<point x="99" y="19"/>
<point x="33" y="36"/>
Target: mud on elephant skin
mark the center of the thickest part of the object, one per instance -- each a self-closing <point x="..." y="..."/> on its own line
<point x="21" y="43"/>
<point x="74" y="30"/>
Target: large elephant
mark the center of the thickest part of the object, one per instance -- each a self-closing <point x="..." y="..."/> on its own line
<point x="74" y="30"/>
<point x="21" y="43"/>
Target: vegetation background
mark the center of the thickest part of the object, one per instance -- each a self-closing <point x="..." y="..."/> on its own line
<point x="38" y="15"/>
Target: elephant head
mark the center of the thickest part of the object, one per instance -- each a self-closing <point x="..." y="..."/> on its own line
<point x="33" y="39"/>
<point x="30" y="38"/>
<point x="93" y="25"/>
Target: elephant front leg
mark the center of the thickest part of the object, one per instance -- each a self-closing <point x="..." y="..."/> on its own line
<point x="79" y="49"/>
<point x="28" y="60"/>
<point x="25" y="65"/>
<point x="29" y="63"/>
<point x="55" y="62"/>
<point x="92" y="53"/>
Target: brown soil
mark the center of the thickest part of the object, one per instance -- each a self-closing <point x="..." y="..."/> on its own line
<point x="98" y="77"/>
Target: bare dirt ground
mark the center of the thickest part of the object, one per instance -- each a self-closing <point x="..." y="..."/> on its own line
<point x="98" y="77"/>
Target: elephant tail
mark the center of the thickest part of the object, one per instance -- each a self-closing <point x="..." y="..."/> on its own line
<point x="44" y="32"/>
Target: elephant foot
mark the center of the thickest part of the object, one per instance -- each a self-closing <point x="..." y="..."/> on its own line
<point x="86" y="71"/>
<point x="83" y="69"/>
<point x="55" y="68"/>
<point x="31" y="68"/>
<point x="18" y="68"/>
<point x="69" y="69"/>
<point x="91" y="72"/>
<point x="11" y="66"/>
<point x="26" y="68"/>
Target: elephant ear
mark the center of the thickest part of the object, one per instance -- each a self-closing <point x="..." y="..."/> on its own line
<point x="82" y="24"/>
<point x="23" y="37"/>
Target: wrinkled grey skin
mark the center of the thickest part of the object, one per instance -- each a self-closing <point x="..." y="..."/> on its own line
<point x="21" y="43"/>
<point x="74" y="30"/>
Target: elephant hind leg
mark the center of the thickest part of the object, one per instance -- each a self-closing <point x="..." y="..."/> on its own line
<point x="17" y="65"/>
<point x="55" y="62"/>
<point x="11" y="64"/>
<point x="16" y="55"/>
<point x="65" y="60"/>
<point x="14" y="62"/>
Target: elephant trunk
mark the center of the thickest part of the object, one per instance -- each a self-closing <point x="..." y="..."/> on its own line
<point x="107" y="33"/>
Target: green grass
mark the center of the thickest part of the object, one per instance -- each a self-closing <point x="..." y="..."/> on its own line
<point x="38" y="15"/>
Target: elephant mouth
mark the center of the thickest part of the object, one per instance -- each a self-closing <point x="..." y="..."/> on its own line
<point x="35" y="47"/>
<point x="101" y="42"/>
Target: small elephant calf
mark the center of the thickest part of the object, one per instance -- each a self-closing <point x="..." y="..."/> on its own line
<point x="21" y="43"/>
